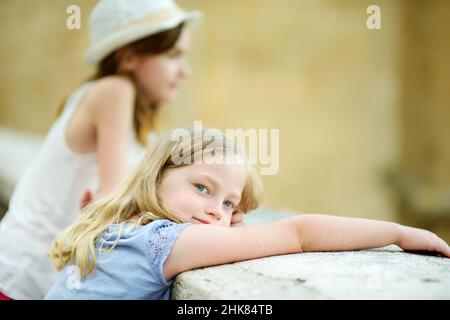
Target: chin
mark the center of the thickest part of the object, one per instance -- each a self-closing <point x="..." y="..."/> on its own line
<point x="173" y="95"/>
<point x="167" y="98"/>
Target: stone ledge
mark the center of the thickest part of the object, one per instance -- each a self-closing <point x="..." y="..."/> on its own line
<point x="382" y="273"/>
<point x="386" y="273"/>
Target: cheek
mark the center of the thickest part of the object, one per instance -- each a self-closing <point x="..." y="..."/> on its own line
<point x="150" y="74"/>
<point x="184" y="201"/>
<point x="157" y="71"/>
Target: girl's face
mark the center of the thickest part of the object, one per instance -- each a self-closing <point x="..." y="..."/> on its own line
<point x="203" y="193"/>
<point x="159" y="76"/>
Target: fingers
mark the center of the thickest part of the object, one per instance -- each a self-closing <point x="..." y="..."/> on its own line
<point x="87" y="198"/>
<point x="88" y="195"/>
<point x="240" y="224"/>
<point x="440" y="246"/>
<point x="237" y="219"/>
<point x="445" y="249"/>
<point x="424" y="242"/>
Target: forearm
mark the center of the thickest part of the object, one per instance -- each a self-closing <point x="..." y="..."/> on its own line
<point x="330" y="233"/>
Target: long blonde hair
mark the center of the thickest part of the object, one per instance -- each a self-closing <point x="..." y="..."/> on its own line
<point x="137" y="197"/>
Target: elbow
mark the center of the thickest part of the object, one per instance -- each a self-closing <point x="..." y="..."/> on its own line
<point x="303" y="225"/>
<point x="300" y="243"/>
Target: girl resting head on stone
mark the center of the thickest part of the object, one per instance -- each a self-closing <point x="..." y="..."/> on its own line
<point x="174" y="214"/>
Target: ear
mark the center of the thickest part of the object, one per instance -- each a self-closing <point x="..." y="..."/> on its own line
<point x="126" y="59"/>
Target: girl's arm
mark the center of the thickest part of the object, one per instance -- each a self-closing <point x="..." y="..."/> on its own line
<point x="113" y="106"/>
<point x="206" y="245"/>
<point x="330" y="233"/>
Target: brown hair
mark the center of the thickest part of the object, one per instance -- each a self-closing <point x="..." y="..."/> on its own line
<point x="144" y="111"/>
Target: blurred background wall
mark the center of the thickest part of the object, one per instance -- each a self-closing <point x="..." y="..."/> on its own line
<point x="363" y="114"/>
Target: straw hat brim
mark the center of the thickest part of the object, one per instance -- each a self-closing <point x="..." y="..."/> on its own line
<point x="129" y="34"/>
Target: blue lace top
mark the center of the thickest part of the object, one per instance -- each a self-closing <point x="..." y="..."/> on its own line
<point x="132" y="270"/>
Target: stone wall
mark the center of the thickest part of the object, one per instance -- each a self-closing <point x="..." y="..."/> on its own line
<point x="385" y="273"/>
<point x="421" y="182"/>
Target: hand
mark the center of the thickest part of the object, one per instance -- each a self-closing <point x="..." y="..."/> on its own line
<point x="87" y="198"/>
<point x="417" y="240"/>
<point x="237" y="219"/>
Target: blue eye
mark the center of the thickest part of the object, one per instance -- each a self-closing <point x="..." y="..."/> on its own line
<point x="201" y="187"/>
<point x="228" y="204"/>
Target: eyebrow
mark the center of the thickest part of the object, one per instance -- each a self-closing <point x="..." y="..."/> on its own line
<point x="216" y="183"/>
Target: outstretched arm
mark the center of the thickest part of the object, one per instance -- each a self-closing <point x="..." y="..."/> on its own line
<point x="206" y="245"/>
<point x="329" y="233"/>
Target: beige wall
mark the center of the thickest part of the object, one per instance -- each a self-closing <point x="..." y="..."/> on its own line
<point x="422" y="181"/>
<point x="309" y="68"/>
<point x="40" y="60"/>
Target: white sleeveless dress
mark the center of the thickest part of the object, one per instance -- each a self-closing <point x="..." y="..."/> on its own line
<point x="45" y="201"/>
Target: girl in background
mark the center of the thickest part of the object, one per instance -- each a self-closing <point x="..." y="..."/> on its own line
<point x="171" y="216"/>
<point x="138" y="49"/>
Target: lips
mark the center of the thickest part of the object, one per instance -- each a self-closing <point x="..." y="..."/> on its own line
<point x="202" y="221"/>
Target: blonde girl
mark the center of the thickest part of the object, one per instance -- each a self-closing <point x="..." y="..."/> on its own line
<point x="171" y="216"/>
<point x="138" y="49"/>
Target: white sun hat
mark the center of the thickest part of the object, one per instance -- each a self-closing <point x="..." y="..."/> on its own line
<point x="115" y="23"/>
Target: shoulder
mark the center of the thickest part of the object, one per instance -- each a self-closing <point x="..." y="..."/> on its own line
<point x="112" y="93"/>
<point x="115" y="85"/>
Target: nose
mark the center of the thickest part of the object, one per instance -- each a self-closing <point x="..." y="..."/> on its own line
<point x="185" y="70"/>
<point x="215" y="210"/>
